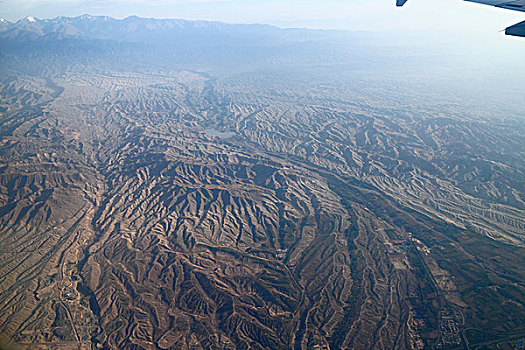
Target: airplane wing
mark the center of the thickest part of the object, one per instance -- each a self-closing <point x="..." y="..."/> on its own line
<point x="518" y="5"/>
<point x="515" y="5"/>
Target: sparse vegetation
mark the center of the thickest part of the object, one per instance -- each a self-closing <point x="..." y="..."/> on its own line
<point x="154" y="204"/>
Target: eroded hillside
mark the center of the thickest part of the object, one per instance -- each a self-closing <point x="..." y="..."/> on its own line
<point x="175" y="209"/>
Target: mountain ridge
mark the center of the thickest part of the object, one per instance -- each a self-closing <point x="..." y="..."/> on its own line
<point x="236" y="187"/>
<point x="139" y="29"/>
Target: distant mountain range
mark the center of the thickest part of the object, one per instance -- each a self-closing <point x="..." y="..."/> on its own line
<point x="134" y="41"/>
<point x="127" y="42"/>
<point x="151" y="30"/>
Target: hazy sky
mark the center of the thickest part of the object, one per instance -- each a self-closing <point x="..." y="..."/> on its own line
<point x="377" y="15"/>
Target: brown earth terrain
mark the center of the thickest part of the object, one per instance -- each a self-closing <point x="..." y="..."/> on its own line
<point x="175" y="210"/>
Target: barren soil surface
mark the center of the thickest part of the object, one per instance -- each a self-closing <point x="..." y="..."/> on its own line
<point x="178" y="210"/>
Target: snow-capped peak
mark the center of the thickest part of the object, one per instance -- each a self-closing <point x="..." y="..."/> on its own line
<point x="87" y="17"/>
<point x="31" y="19"/>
